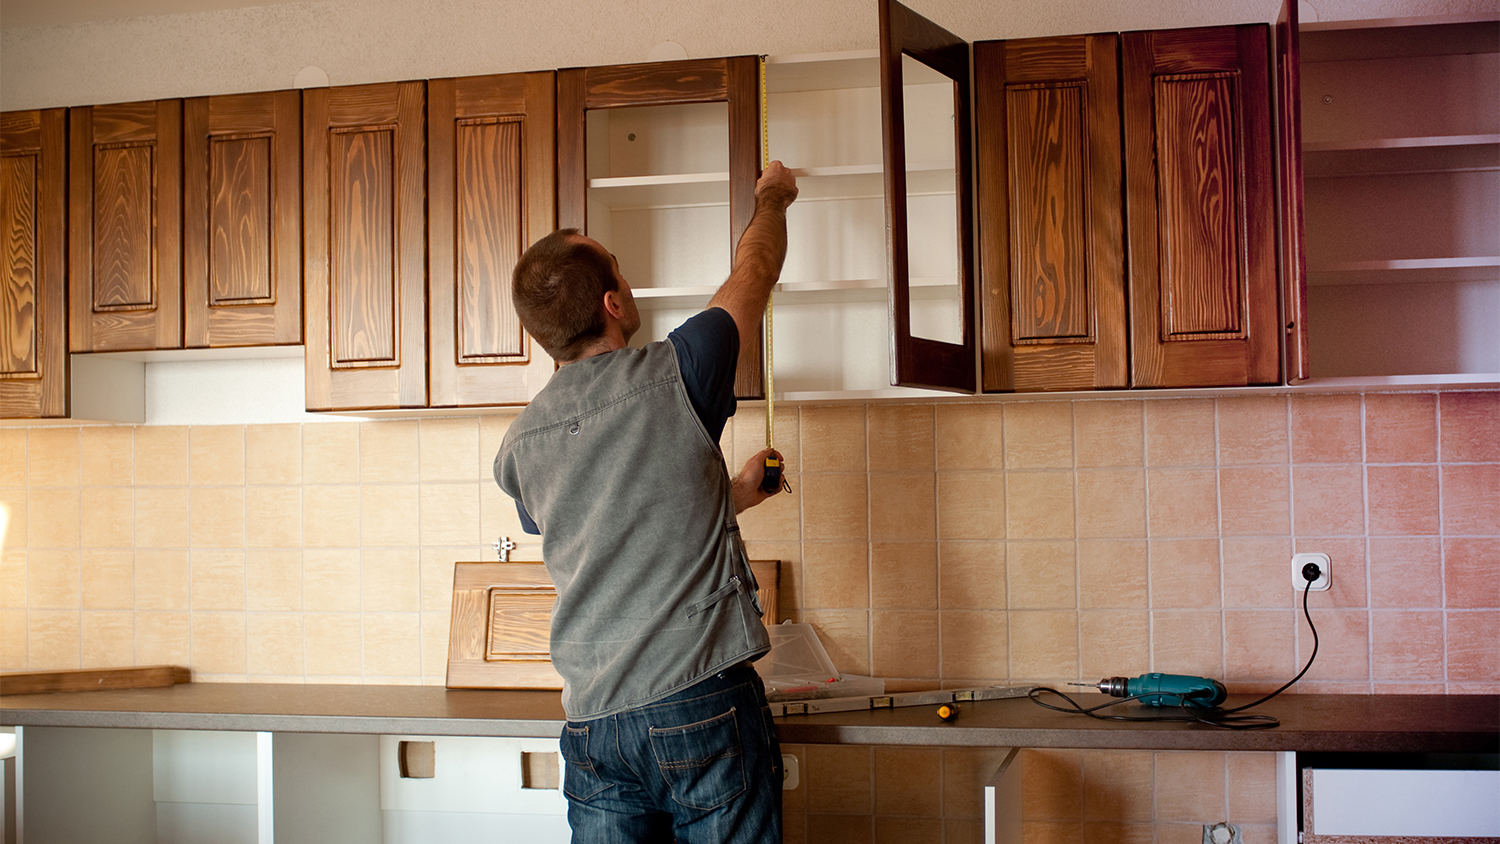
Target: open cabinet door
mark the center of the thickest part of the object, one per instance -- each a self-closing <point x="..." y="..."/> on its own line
<point x="924" y="92"/>
<point x="1290" y="198"/>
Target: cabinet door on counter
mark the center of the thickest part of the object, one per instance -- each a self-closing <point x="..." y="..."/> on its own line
<point x="242" y="220"/>
<point x="33" y="289"/>
<point x="125" y="227"/>
<point x="491" y="177"/>
<point x="364" y="245"/>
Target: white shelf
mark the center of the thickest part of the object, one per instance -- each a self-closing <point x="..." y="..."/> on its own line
<point x="802" y="293"/>
<point x="677" y="190"/>
<point x="1411" y="269"/>
<point x="683" y="190"/>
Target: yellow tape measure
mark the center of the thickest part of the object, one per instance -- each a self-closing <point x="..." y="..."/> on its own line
<point x="765" y="161"/>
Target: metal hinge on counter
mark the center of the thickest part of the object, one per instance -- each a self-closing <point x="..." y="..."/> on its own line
<point x="854" y="704"/>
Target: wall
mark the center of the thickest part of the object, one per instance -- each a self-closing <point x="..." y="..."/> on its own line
<point x="946" y="543"/>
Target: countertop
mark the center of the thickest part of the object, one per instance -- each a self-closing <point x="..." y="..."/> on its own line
<point x="1323" y="723"/>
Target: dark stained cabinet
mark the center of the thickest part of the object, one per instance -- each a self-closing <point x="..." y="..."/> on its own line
<point x="491" y="193"/>
<point x="33" y="243"/>
<point x="125" y="226"/>
<point x="364" y="246"/>
<point x="242" y="220"/>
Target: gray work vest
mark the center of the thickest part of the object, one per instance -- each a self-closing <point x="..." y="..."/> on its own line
<point x="638" y="531"/>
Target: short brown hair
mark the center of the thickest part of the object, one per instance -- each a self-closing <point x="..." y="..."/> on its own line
<point x="558" y="289"/>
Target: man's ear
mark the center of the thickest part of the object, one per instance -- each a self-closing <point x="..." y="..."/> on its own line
<point x="613" y="305"/>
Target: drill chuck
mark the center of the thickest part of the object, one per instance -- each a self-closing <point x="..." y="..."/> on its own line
<point x="1167" y="689"/>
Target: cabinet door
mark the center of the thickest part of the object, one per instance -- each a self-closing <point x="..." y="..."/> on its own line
<point x="125" y="229"/>
<point x="734" y="81"/>
<point x="33" y="238"/>
<point x="1052" y="263"/>
<point x="1200" y="199"/>
<point x="364" y="261"/>
<point x="936" y="352"/>
<point x="491" y="177"/>
<point x="1290" y="197"/>
<point x="242" y="220"/>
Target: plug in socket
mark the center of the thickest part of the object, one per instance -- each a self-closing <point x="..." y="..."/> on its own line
<point x="1325" y="574"/>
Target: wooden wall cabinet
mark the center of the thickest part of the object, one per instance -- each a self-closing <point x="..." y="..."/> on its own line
<point x="33" y="243"/>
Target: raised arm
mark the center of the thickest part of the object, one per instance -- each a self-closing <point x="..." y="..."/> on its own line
<point x="761" y="251"/>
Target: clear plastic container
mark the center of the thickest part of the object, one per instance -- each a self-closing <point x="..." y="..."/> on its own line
<point x="798" y="668"/>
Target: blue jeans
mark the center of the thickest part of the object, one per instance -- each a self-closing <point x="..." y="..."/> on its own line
<point x="700" y="767"/>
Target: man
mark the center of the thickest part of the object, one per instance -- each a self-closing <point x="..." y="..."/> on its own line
<point x="616" y="464"/>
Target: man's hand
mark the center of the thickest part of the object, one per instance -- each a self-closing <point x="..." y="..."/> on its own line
<point x="746" y="489"/>
<point x="776" y="184"/>
<point x="760" y="253"/>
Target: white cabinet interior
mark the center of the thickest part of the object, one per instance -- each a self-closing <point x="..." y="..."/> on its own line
<point x="1401" y="152"/>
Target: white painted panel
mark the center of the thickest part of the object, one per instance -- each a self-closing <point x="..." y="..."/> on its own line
<point x="227" y="392"/>
<point x="1430" y="803"/>
<point x="472" y="774"/>
<point x="200" y="766"/>
<point x="429" y="827"/>
<point x="202" y="823"/>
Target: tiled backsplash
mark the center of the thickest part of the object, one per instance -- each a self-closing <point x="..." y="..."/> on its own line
<point x="942" y="543"/>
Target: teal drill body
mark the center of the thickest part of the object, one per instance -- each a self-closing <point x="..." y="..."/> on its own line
<point x="1167" y="689"/>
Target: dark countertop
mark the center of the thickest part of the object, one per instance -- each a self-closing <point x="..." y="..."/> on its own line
<point x="1328" y="723"/>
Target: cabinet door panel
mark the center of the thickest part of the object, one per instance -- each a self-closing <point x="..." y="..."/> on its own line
<point x="364" y="252"/>
<point x="125" y="227"/>
<point x="33" y="291"/>
<point x="1290" y="197"/>
<point x="1200" y="200"/>
<point x="490" y="185"/>
<point x="1051" y="219"/>
<point x="242" y="213"/>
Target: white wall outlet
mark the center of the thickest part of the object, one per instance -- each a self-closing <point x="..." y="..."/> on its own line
<point x="1325" y="576"/>
<point x="789" y="779"/>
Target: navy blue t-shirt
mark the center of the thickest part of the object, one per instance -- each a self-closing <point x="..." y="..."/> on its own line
<point x="708" y="352"/>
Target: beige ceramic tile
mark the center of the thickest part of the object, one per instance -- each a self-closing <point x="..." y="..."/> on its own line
<point x="13" y="578"/>
<point x="1181" y="432"/>
<point x="389" y="515"/>
<point x="54" y="518"/>
<point x="840" y="778"/>
<point x="273" y="516"/>
<point x="388" y="451"/>
<point x="1258" y="645"/>
<point x="1255" y="501"/>
<point x="1051" y="832"/>
<point x="449" y="514"/>
<point x="53" y="457"/>
<point x="841" y="828"/>
<point x="1109" y="433"/>
<point x="1471" y="500"/>
<point x="745" y="436"/>
<point x="330" y="517"/>
<point x="449" y="449"/>
<point x="975" y="645"/>
<point x="1473" y="655"/>
<point x="1252" y="787"/>
<point x="54" y="579"/>
<point x="845" y="635"/>
<point x="1042" y="575"/>
<point x="1187" y="642"/>
<point x="908" y="781"/>
<point x="219" y="643"/>
<point x="273" y="454"/>
<point x="273" y="580"/>
<point x="13" y="457"/>
<point x="1182" y="502"/>
<point x="904" y="575"/>
<point x="1184" y="573"/>
<point x="903" y="505"/>
<point x="53" y="640"/>
<point x="1257" y="572"/>
<point x="1407" y="645"/>
<point x="1114" y="643"/>
<point x="436" y="575"/>
<point x="1043" y="645"/>
<point x="1053" y="786"/>
<point x="273" y="644"/>
<point x="1403" y="500"/>
<point x="332" y="643"/>
<point x="1343" y="645"/>
<point x="218" y="579"/>
<point x="1117" y="784"/>
<point x="1326" y="429"/>
<point x="108" y="455"/>
<point x="834" y="506"/>
<point x="13" y="635"/>
<point x="161" y="455"/>
<point x="1472" y="577"/>
<point x="216" y="455"/>
<point x="1470" y="427"/>
<point x="1400" y="428"/>
<point x="970" y="436"/>
<point x="1253" y="431"/>
<point x="15" y="509"/>
<point x="1112" y="574"/>
<point x="1347" y="556"/>
<point x="971" y="575"/>
<point x="966" y="770"/>
<point x="833" y="440"/>
<point x="435" y="647"/>
<point x="391" y="580"/>
<point x="163" y="638"/>
<point x="900" y="829"/>
<point x="108" y="514"/>
<point x="901" y="435"/>
<point x="837" y="574"/>
<point x="1328" y="500"/>
<point x="1111" y="503"/>
<point x="905" y="644"/>
<point x="778" y="518"/>
<point x="1189" y="786"/>
<point x="393" y="645"/>
<point x="1039" y="435"/>
<point x="332" y="578"/>
<point x="107" y="639"/>
<point x="1039" y="505"/>
<point x="331" y="453"/>
<point x="971" y="505"/>
<point x="162" y="517"/>
<point x="492" y="428"/>
<point x="218" y="515"/>
<point x="163" y="579"/>
<point x="1406" y="572"/>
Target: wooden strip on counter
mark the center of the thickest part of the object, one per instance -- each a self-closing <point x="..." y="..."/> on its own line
<point x="92" y="679"/>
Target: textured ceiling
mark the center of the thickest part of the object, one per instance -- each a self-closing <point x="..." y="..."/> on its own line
<point x="15" y="14"/>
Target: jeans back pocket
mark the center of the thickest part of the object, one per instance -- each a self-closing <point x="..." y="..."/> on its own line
<point x="580" y="781"/>
<point x="703" y="762"/>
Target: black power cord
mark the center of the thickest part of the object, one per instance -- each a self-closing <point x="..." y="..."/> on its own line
<point x="1193" y="710"/>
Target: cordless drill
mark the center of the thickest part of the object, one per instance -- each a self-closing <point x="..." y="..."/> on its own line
<point x="1164" y="689"/>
